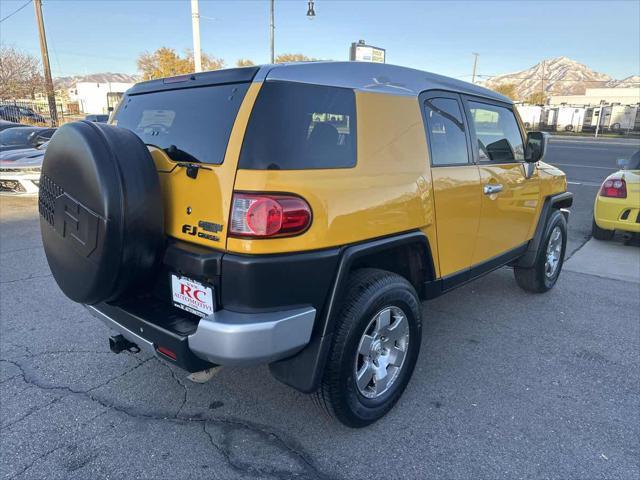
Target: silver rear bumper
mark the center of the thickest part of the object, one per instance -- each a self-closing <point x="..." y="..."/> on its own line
<point x="231" y="338"/>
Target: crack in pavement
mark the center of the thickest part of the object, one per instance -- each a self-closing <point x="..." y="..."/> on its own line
<point x="60" y="447"/>
<point x="32" y="277"/>
<point x="31" y="411"/>
<point x="228" y="426"/>
<point x="179" y="382"/>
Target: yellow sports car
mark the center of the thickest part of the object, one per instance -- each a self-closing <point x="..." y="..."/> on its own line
<point x="617" y="206"/>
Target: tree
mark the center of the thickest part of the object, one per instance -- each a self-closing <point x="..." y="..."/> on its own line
<point x="166" y="62"/>
<point x="293" y="57"/>
<point x="209" y="62"/>
<point x="244" y="62"/>
<point x="508" y="90"/>
<point x="20" y="75"/>
<point x="537" y="98"/>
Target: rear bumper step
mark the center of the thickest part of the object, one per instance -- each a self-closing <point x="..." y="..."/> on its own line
<point x="224" y="338"/>
<point x="149" y="336"/>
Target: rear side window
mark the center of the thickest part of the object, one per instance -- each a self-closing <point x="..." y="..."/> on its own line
<point x="197" y="121"/>
<point x="447" y="137"/>
<point x="296" y="126"/>
<point x="499" y="138"/>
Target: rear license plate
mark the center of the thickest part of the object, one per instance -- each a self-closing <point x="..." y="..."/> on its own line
<point x="192" y="296"/>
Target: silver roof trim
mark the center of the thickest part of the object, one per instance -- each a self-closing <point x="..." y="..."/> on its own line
<point x="371" y="77"/>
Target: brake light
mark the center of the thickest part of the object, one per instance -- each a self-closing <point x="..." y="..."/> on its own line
<point x="615" y="188"/>
<point x="264" y="215"/>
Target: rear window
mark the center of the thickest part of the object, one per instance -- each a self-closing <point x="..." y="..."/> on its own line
<point x="296" y="126"/>
<point x="197" y="121"/>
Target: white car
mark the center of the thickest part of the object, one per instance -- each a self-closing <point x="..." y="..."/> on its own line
<point x="20" y="171"/>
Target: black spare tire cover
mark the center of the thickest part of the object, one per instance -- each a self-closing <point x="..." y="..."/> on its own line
<point x="101" y="215"/>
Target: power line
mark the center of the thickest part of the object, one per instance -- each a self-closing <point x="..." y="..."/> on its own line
<point x="16" y="11"/>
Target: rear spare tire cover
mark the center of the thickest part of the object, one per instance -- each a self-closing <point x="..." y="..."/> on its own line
<point x="101" y="215"/>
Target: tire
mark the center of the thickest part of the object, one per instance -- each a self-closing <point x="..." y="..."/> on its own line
<point x="539" y="278"/>
<point x="601" y="233"/>
<point x="101" y="215"/>
<point x="370" y="294"/>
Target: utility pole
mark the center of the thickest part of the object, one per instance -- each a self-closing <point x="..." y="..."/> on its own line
<point x="475" y="66"/>
<point x="600" y="115"/>
<point x="272" y="31"/>
<point x="195" y="26"/>
<point x="48" y="82"/>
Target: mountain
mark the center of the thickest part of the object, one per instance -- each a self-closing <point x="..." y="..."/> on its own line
<point x="562" y="76"/>
<point x="629" y="82"/>
<point x="68" y="82"/>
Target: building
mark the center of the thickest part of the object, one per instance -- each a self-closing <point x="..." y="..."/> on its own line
<point x="596" y="96"/>
<point x="96" y="97"/>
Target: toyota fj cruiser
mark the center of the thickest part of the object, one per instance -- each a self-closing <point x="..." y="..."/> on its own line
<point x="296" y="215"/>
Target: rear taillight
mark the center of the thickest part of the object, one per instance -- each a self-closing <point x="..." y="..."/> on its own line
<point x="264" y="215"/>
<point x="615" y="188"/>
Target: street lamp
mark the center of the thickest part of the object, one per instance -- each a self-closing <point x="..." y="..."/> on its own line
<point x="310" y="11"/>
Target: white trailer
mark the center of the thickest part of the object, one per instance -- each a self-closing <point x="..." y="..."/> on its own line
<point x="622" y="117"/>
<point x="570" y="119"/>
<point x="530" y="115"/>
<point x="549" y="118"/>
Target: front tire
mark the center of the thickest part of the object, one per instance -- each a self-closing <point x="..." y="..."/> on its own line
<point x="601" y="233"/>
<point x="544" y="273"/>
<point x="374" y="350"/>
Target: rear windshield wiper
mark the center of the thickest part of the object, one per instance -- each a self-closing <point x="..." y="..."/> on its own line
<point x="185" y="160"/>
<point x="178" y="155"/>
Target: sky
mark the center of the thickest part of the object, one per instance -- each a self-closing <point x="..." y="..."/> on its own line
<point x="93" y="36"/>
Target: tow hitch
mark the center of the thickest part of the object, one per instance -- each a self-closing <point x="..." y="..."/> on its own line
<point x="118" y="343"/>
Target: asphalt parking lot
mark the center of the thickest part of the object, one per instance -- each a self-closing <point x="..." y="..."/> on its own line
<point x="508" y="384"/>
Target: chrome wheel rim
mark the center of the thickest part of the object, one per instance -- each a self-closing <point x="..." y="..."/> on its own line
<point x="554" y="251"/>
<point x="381" y="352"/>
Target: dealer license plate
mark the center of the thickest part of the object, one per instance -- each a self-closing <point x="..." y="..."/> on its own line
<point x="192" y="296"/>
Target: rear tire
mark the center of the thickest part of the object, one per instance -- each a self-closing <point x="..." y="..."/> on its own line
<point x="374" y="298"/>
<point x="600" y="233"/>
<point x="542" y="276"/>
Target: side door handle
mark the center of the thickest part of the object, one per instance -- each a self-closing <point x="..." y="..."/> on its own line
<point x="490" y="189"/>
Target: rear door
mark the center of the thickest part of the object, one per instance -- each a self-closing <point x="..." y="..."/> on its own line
<point x="510" y="201"/>
<point x="456" y="180"/>
<point x="194" y="130"/>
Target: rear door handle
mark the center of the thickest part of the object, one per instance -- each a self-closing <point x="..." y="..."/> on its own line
<point x="490" y="189"/>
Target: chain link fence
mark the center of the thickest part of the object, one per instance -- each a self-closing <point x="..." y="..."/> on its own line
<point x="36" y="112"/>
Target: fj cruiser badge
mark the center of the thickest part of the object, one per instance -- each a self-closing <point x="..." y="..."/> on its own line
<point x="193" y="230"/>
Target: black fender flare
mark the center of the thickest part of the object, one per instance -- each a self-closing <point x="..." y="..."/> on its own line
<point x="561" y="201"/>
<point x="304" y="370"/>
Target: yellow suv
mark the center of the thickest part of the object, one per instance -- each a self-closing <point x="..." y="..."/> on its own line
<point x="296" y="215"/>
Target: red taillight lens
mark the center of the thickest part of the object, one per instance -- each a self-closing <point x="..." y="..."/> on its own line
<point x="615" y="188"/>
<point x="167" y="353"/>
<point x="261" y="215"/>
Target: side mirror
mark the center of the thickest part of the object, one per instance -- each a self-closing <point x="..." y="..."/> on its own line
<point x="622" y="163"/>
<point x="536" y="146"/>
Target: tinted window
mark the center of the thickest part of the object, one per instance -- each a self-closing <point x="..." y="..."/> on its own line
<point x="19" y="136"/>
<point x="499" y="138"/>
<point x="197" y="121"/>
<point x="447" y="138"/>
<point x="297" y="126"/>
